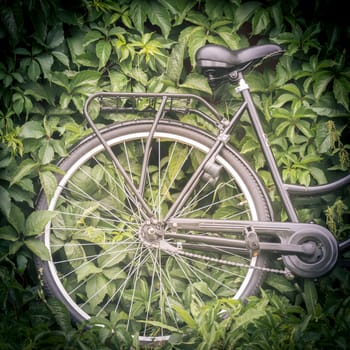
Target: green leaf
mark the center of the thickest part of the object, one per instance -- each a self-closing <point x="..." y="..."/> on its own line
<point x="244" y="11"/>
<point x="232" y="40"/>
<point x="46" y="152"/>
<point x="318" y="175"/>
<point x="119" y="81"/>
<point x="60" y="79"/>
<point x="37" y="221"/>
<point x="282" y="100"/>
<point x="75" y="45"/>
<point x="305" y="128"/>
<point x="79" y="102"/>
<point x="161" y="325"/>
<point x="326" y="144"/>
<point x="60" y="56"/>
<point x="55" y="37"/>
<point x="250" y="314"/>
<point x="310" y="296"/>
<point x="341" y="90"/>
<point x="304" y="178"/>
<point x="59" y="147"/>
<point x="197" y="81"/>
<point x="310" y="158"/>
<point x="65" y="100"/>
<point x="159" y="15"/>
<point x="37" y="247"/>
<point x="22" y="263"/>
<point x="61" y="314"/>
<point x="46" y="62"/>
<point x="40" y="92"/>
<point x="281" y="128"/>
<point x="28" y="105"/>
<point x="15" y="247"/>
<point x="32" y="129"/>
<point x="249" y="146"/>
<point x="260" y="21"/>
<point x="24" y="169"/>
<point x="9" y="20"/>
<point x="186" y="316"/>
<point x="139" y="75"/>
<point x="293" y="89"/>
<point x="16" y="219"/>
<point x="322" y="79"/>
<point x="280" y="283"/>
<point x="23" y="192"/>
<point x="85" y="78"/>
<point x="5" y="162"/>
<point x="175" y="62"/>
<point x="203" y="288"/>
<point x="85" y="270"/>
<point x="92" y="36"/>
<point x="197" y="39"/>
<point x="18" y="103"/>
<point x="96" y="289"/>
<point x="114" y="273"/>
<point x="73" y="249"/>
<point x="5" y="201"/>
<point x="103" y="52"/>
<point x="138" y="14"/>
<point x="34" y="70"/>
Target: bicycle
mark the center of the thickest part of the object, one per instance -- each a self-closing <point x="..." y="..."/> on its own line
<point x="157" y="211"/>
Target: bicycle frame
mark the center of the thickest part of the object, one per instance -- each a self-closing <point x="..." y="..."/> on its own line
<point x="284" y="189"/>
<point x="282" y="231"/>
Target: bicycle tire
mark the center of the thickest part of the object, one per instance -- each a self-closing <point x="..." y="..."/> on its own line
<point x="101" y="266"/>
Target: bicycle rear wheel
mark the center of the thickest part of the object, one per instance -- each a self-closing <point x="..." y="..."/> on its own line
<point x="103" y="263"/>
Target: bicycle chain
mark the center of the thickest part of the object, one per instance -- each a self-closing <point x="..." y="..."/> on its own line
<point x="174" y="251"/>
<point x="232" y="263"/>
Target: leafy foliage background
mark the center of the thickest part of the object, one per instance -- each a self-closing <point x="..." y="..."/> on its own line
<point x="55" y="53"/>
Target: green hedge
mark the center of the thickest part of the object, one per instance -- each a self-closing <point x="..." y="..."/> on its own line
<point x="56" y="53"/>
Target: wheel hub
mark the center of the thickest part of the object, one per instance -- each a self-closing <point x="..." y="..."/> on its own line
<point x="151" y="234"/>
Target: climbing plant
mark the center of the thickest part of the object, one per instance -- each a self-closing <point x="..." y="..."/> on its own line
<point x="55" y="53"/>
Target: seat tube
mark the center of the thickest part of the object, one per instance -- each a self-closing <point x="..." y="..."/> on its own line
<point x="243" y="88"/>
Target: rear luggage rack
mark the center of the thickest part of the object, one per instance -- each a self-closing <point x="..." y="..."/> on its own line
<point x="149" y="104"/>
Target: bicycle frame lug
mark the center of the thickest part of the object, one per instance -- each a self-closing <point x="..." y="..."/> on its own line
<point x="242" y="85"/>
<point x="223" y="124"/>
<point x="224" y="138"/>
<point x="252" y="241"/>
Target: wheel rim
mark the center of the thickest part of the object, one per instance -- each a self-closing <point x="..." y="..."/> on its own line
<point x="134" y="301"/>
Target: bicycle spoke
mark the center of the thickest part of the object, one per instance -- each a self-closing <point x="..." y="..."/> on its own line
<point x="107" y="257"/>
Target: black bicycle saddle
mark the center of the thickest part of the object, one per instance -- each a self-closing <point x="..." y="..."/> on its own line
<point x="216" y="56"/>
